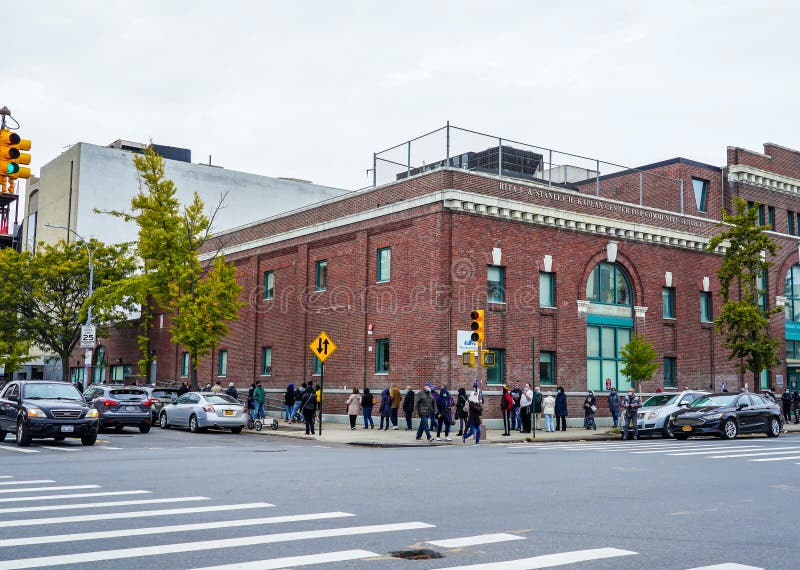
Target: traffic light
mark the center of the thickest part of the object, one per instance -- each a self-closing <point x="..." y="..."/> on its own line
<point x="11" y="155"/>
<point x="478" y="333"/>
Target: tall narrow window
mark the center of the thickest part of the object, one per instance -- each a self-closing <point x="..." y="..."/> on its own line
<point x="705" y="307"/>
<point x="496" y="374"/>
<point x="495" y="286"/>
<point x="762" y="291"/>
<point x="547" y="367"/>
<point x="99" y="365"/>
<point x="382" y="356"/>
<point x="771" y="217"/>
<point x="547" y="289"/>
<point x="790" y="223"/>
<point x="321" y="275"/>
<point x="184" y="364"/>
<point x="761" y="214"/>
<point x="317" y="366"/>
<point x="222" y="365"/>
<point x="669" y="372"/>
<point x="384" y="264"/>
<point x="266" y="361"/>
<point x="700" y="193"/>
<point x="269" y="284"/>
<point x="668" y="302"/>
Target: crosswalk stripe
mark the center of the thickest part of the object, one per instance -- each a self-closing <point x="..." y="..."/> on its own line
<point x="140" y="551"/>
<point x="132" y="515"/>
<point x="293" y="561"/>
<point x="688" y="449"/>
<point x="727" y="566"/>
<point x="108" y="447"/>
<point x="6" y="477"/>
<point x="19" y="449"/>
<point x="31" y="482"/>
<point x="756" y="454"/>
<point x="475" y="540"/>
<point x="58" y="488"/>
<point x="55" y="447"/>
<point x="713" y="451"/>
<point x="101" y="505"/>
<point x="776" y="458"/>
<point x="49" y="539"/>
<point x="73" y="496"/>
<point x="547" y="560"/>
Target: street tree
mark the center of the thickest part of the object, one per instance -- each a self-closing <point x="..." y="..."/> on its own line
<point x="49" y="292"/>
<point x="744" y="318"/>
<point x="640" y="360"/>
<point x="201" y="296"/>
<point x="14" y="350"/>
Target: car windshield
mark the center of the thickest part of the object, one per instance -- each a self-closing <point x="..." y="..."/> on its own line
<point x="47" y="391"/>
<point x="220" y="399"/>
<point x="715" y="400"/>
<point x="165" y="394"/>
<point x="660" y="400"/>
<point x="124" y="395"/>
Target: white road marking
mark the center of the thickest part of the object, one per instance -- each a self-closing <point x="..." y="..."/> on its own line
<point x="20" y="449"/>
<point x="293" y="561"/>
<point x="31" y="482"/>
<point x="58" y="488"/>
<point x="776" y="458"/>
<point x="689" y="449"/>
<point x="727" y="566"/>
<point x="73" y="496"/>
<point x="108" y="447"/>
<point x="756" y="453"/>
<point x="101" y="505"/>
<point x="139" y="551"/>
<point x="59" y="448"/>
<point x="713" y="451"/>
<point x="322" y="446"/>
<point x="475" y="540"/>
<point x="6" y="476"/>
<point x="49" y="539"/>
<point x="545" y="561"/>
<point x="132" y="515"/>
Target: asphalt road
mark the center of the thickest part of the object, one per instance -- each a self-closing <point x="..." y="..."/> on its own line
<point x="171" y="499"/>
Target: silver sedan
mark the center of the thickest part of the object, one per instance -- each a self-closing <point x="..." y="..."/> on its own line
<point x="202" y="410"/>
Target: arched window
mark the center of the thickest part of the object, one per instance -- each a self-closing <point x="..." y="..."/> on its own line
<point x="99" y="375"/>
<point x="791" y="290"/>
<point x="609" y="285"/>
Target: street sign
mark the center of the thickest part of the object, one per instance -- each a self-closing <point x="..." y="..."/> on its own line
<point x="88" y="336"/>
<point x="322" y="346"/>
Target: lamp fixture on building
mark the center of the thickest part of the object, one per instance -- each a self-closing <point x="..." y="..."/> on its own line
<point x="668" y="279"/>
<point x="583" y="308"/>
<point x="611" y="251"/>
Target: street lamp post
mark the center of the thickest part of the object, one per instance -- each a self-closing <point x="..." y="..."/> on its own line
<point x="91" y="276"/>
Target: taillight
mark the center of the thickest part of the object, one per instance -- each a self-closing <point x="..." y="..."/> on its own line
<point x="208" y="408"/>
<point x="147" y="403"/>
<point x="109" y="402"/>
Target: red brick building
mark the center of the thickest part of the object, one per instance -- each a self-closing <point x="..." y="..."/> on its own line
<point x="565" y="271"/>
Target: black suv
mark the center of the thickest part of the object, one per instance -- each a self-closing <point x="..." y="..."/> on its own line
<point x="38" y="409"/>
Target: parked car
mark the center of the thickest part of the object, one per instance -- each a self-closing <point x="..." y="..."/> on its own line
<point x="35" y="409"/>
<point x="654" y="414"/>
<point x="160" y="397"/>
<point x="120" y="406"/>
<point x="727" y="415"/>
<point x="202" y="410"/>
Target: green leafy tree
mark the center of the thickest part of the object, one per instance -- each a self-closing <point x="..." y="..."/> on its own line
<point x="640" y="359"/>
<point x="14" y="351"/>
<point x="49" y="292"/>
<point x="201" y="296"/>
<point x="744" y="321"/>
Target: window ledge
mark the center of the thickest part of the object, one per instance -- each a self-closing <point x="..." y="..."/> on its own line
<point x="383" y="281"/>
<point x="381" y="374"/>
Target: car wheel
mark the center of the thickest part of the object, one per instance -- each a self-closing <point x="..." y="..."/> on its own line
<point x="23" y="434"/>
<point x="729" y="429"/>
<point x="162" y="421"/>
<point x="236" y="430"/>
<point x="144" y="428"/>
<point x="665" y="433"/>
<point x="774" y="428"/>
<point x="2" y="435"/>
<point x="89" y="439"/>
<point x="681" y="436"/>
<point x="193" y="427"/>
<point x="119" y="428"/>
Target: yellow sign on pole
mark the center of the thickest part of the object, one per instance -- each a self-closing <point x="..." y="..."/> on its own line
<point x="322" y="346"/>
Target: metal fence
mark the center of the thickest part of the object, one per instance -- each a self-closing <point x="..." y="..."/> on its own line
<point x="456" y="147"/>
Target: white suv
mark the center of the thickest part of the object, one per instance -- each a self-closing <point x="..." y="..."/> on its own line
<point x="653" y="416"/>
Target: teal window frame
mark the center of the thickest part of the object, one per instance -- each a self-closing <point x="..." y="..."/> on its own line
<point x="321" y="275"/>
<point x="222" y="363"/>
<point x="606" y="361"/>
<point x="762" y="291"/>
<point x="185" y="363"/>
<point x="547" y="289"/>
<point x="266" y="361"/>
<point x="496" y="375"/>
<point x="496" y="288"/>
<point x="118" y="373"/>
<point x="99" y="372"/>
<point x="269" y="285"/>
<point x="382" y="355"/>
<point x="706" y="307"/>
<point x="792" y="349"/>
<point x="77" y="374"/>
<point x="790" y="222"/>
<point x="700" y="187"/>
<point x="597" y="286"/>
<point x="547" y="368"/>
<point x="668" y="302"/>
<point x="384" y="265"/>
<point x="670" y="371"/>
<point x="791" y="290"/>
<point x="316" y="366"/>
<point x="771" y="217"/>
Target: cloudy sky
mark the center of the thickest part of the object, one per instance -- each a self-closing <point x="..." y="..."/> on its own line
<point x="310" y="89"/>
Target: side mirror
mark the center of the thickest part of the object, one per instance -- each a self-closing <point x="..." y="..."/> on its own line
<point x="684" y="404"/>
<point x="741" y="406"/>
<point x="14" y="398"/>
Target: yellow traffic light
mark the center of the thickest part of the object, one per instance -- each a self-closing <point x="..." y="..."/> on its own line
<point x="488" y="358"/>
<point x="11" y="155"/>
<point x="477" y="327"/>
<point x="468" y="359"/>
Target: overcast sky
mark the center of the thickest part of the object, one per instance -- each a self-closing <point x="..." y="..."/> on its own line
<point x="311" y="89"/>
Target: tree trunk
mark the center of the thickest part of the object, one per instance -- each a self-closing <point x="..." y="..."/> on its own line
<point x="195" y="386"/>
<point x="65" y="367"/>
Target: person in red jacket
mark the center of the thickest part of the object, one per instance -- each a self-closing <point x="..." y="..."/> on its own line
<point x="506" y="407"/>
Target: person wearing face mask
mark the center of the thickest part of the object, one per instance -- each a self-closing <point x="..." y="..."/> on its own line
<point x="424" y="406"/>
<point x="631" y="404"/>
<point x="589" y="408"/>
<point x="473" y="418"/>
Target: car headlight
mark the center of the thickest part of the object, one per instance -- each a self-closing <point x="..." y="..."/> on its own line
<point x="92" y="413"/>
<point x="712" y="417"/>
<point x="651" y="416"/>
<point x="36" y="413"/>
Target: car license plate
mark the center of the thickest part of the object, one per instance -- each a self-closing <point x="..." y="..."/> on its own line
<point x="228" y="412"/>
<point x="687" y="428"/>
<point x="67" y="429"/>
<point x="130" y="408"/>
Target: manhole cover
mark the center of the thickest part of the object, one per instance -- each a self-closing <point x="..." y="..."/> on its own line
<point x="422" y="554"/>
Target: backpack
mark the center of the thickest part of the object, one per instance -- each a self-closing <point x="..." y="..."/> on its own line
<point x="309" y="402"/>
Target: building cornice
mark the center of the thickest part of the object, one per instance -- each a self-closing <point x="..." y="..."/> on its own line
<point x="763" y="179"/>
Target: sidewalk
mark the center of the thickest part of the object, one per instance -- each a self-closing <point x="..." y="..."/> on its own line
<point x="339" y="433"/>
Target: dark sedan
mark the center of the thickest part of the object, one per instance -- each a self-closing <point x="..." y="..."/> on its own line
<point x="121" y="406"/>
<point x="726" y="415"/>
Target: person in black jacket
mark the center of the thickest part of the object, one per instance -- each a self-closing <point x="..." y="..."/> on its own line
<point x="462" y="410"/>
<point x="408" y="406"/>
<point x="786" y="400"/>
<point x="308" y="403"/>
<point x="367" y="401"/>
<point x="561" y="410"/>
<point x="288" y="402"/>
